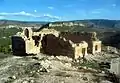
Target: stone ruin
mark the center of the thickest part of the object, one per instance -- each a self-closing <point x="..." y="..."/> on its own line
<point x="52" y="42"/>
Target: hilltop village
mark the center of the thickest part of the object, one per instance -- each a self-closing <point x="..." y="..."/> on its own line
<point x="52" y="42"/>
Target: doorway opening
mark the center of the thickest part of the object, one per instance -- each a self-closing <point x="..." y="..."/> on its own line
<point x="96" y="47"/>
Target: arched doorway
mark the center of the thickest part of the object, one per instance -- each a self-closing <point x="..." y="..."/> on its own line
<point x="96" y="47"/>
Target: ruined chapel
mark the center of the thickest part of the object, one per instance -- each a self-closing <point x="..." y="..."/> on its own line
<point x="52" y="42"/>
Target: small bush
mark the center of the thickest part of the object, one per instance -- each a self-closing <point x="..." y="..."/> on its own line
<point x="5" y="49"/>
<point x="90" y="64"/>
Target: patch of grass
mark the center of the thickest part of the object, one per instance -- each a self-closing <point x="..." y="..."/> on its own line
<point x="93" y="65"/>
<point x="85" y="63"/>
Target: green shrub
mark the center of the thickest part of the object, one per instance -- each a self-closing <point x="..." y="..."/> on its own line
<point x="5" y="49"/>
<point x="5" y="38"/>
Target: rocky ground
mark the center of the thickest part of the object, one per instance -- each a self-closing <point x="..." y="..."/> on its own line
<point x="49" y="69"/>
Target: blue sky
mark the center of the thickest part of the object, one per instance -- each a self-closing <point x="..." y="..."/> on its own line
<point x="55" y="10"/>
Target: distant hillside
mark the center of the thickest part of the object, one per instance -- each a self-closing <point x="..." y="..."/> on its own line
<point x="21" y="23"/>
<point x="96" y="23"/>
<point x="107" y="30"/>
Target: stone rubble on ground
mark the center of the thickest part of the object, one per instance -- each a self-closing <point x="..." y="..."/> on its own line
<point x="51" y="69"/>
<point x="105" y="81"/>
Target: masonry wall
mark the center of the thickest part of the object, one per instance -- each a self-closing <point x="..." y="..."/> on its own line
<point x="81" y="50"/>
<point x="18" y="46"/>
<point x="55" y="43"/>
<point x="77" y="37"/>
<point x="31" y="48"/>
<point x="57" y="46"/>
<point x="96" y="47"/>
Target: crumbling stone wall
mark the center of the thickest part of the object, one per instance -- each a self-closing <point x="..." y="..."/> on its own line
<point x="77" y="37"/>
<point x="89" y="37"/>
<point x="18" y="45"/>
<point x="53" y="45"/>
<point x="96" y="47"/>
<point x="115" y="66"/>
<point x="80" y="49"/>
<point x="57" y="46"/>
<point x="27" y="40"/>
<point x="54" y="42"/>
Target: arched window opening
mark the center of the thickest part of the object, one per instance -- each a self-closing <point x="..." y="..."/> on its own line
<point x="27" y="33"/>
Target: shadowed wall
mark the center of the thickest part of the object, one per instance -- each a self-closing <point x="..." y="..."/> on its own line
<point x="77" y="37"/>
<point x="18" y="46"/>
<point x="56" y="46"/>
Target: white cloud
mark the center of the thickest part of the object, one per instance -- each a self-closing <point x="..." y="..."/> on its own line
<point x="35" y="10"/>
<point x="48" y="15"/>
<point x="2" y="17"/>
<point x="23" y="13"/>
<point x="17" y="13"/>
<point x="114" y="5"/>
<point x="99" y="11"/>
<point x="51" y="8"/>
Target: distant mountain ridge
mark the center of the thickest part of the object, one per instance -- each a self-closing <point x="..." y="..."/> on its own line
<point x="21" y="23"/>
<point x="90" y="23"/>
<point x="98" y="23"/>
<point x="108" y="31"/>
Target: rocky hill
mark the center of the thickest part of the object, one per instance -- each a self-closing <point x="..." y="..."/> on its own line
<point x="20" y="23"/>
<point x="96" y="23"/>
<point x="107" y="30"/>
